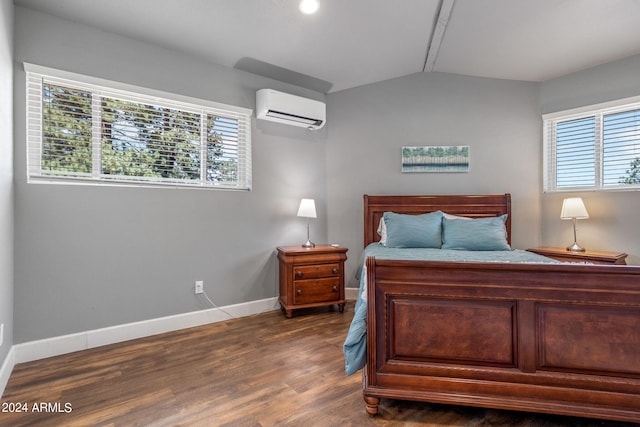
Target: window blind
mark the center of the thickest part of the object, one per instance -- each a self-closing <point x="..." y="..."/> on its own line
<point x="575" y="149"/>
<point x="595" y="148"/>
<point x="83" y="132"/>
<point x="621" y="143"/>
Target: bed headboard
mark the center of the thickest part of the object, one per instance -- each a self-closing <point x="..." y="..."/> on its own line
<point x="479" y="206"/>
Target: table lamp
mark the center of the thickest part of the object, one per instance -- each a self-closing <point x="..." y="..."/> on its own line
<point x="307" y="210"/>
<point x="573" y="209"/>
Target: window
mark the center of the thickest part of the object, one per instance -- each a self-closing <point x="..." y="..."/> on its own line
<point x="86" y="130"/>
<point x="594" y="148"/>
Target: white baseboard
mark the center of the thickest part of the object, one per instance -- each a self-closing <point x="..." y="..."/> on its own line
<point x="55" y="346"/>
<point x="351" y="293"/>
<point x="6" y="368"/>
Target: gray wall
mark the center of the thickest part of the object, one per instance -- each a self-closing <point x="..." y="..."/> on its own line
<point x="90" y="257"/>
<point x="6" y="175"/>
<point x="498" y="119"/>
<point x="613" y="222"/>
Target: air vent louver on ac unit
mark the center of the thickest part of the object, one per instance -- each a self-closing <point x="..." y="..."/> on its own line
<point x="290" y="109"/>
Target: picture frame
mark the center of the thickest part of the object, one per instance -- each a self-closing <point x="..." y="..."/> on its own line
<point x="435" y="158"/>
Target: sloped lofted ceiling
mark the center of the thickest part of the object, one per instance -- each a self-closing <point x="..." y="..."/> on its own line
<point x="350" y="43"/>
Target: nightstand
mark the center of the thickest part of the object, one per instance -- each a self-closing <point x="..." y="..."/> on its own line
<point x="311" y="277"/>
<point x="595" y="257"/>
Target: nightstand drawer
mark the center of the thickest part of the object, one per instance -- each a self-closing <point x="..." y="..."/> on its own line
<point x="314" y="271"/>
<point x="316" y="290"/>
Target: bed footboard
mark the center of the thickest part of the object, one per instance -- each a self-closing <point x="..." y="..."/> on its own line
<point x="554" y="338"/>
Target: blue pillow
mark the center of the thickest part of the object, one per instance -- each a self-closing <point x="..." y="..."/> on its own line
<point x="414" y="231"/>
<point x="482" y="234"/>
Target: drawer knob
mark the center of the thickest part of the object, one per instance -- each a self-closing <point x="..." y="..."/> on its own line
<point x="335" y="289"/>
<point x="299" y="273"/>
<point x="299" y="292"/>
<point x="334" y="271"/>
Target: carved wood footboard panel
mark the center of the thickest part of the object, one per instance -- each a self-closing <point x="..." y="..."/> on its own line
<point x="549" y="338"/>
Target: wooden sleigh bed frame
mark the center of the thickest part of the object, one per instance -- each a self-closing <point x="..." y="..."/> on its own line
<point x="553" y="338"/>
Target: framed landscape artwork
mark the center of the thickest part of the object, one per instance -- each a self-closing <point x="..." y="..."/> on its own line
<point x="436" y="158"/>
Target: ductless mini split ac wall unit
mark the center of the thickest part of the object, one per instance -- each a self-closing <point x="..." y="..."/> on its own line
<point x="290" y="109"/>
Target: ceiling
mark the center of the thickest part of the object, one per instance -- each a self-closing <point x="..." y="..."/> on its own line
<point x="350" y="43"/>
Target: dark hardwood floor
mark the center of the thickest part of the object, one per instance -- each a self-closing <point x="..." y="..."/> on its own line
<point x="263" y="370"/>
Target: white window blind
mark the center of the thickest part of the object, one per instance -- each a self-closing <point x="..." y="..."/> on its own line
<point x="593" y="148"/>
<point x="86" y="130"/>
<point x="621" y="148"/>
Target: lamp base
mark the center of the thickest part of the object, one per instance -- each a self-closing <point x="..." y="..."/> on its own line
<point x="575" y="248"/>
<point x="310" y="244"/>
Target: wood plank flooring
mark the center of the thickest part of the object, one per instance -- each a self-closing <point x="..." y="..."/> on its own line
<point x="263" y="370"/>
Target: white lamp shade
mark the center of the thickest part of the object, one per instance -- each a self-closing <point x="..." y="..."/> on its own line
<point x="573" y="207"/>
<point x="307" y="208"/>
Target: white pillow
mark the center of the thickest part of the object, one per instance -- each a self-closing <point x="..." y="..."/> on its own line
<point x="382" y="232"/>
<point x="450" y="216"/>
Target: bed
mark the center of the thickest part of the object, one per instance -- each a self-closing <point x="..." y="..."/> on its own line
<point x="525" y="334"/>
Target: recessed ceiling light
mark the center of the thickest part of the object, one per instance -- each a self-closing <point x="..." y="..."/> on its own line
<point x="308" y="7"/>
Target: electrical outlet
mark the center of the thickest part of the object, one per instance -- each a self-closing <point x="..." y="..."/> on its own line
<point x="199" y="289"/>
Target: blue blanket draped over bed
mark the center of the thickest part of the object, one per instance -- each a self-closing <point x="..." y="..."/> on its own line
<point x="355" y="344"/>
